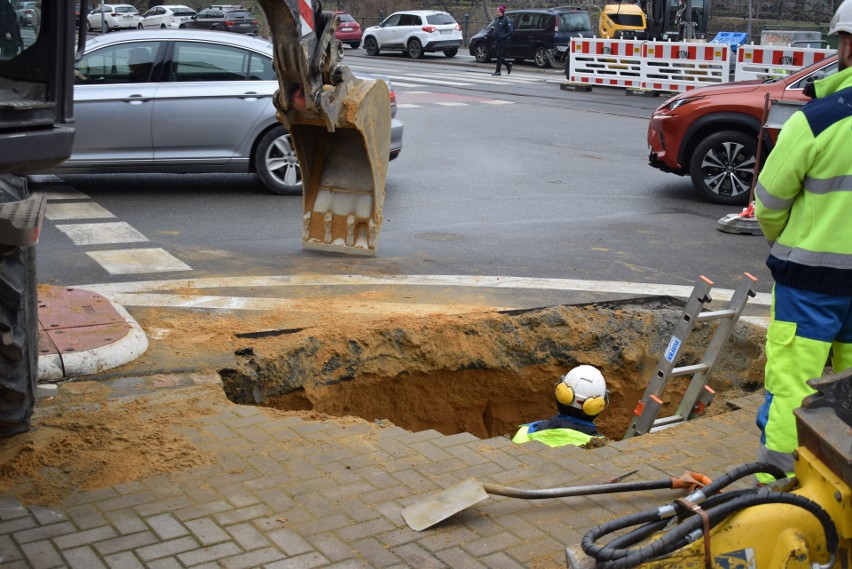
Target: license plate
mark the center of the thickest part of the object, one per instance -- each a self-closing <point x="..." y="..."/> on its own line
<point x="446" y="31"/>
<point x="345" y="29"/>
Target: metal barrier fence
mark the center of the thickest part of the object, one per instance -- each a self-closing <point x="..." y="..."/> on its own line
<point x="679" y="66"/>
<point x="765" y="61"/>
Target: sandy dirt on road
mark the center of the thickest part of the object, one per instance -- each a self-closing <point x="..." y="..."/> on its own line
<point x="88" y="436"/>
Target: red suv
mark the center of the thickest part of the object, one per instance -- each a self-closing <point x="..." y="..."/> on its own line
<point x="711" y="133"/>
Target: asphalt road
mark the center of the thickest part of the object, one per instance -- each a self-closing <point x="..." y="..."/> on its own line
<point x="509" y="178"/>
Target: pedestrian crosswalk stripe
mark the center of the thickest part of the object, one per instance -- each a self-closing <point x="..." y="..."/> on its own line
<point x="101" y="233"/>
<point x="452" y="104"/>
<point x="87" y="210"/>
<point x="134" y="261"/>
<point x="408" y="106"/>
<point x="69" y="195"/>
<point x="497" y="102"/>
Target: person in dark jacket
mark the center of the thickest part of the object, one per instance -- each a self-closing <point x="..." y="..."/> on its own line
<point x="10" y="33"/>
<point x="502" y="31"/>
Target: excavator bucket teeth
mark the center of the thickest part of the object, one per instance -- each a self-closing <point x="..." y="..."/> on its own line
<point x="344" y="172"/>
<point x="340" y="126"/>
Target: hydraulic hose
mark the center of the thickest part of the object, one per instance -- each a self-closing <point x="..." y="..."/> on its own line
<point x="619" y="555"/>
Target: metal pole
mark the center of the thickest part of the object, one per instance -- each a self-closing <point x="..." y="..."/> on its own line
<point x="748" y="29"/>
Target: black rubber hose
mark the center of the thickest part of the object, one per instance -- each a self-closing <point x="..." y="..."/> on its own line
<point x="568" y="491"/>
<point x="692" y="528"/>
<point x="741" y="472"/>
<point x="654" y="514"/>
<point x="642" y="532"/>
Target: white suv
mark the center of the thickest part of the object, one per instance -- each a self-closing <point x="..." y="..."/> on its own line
<point x="171" y="17"/>
<point x="415" y="32"/>
<point x="117" y="16"/>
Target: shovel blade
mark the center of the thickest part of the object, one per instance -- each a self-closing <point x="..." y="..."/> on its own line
<point x="444" y="504"/>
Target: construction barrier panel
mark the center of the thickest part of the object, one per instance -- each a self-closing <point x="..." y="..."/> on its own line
<point x="606" y="62"/>
<point x="681" y="66"/>
<point x="766" y="61"/>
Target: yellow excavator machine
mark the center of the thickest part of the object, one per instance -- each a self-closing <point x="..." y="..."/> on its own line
<point x="340" y="127"/>
<point x="800" y="522"/>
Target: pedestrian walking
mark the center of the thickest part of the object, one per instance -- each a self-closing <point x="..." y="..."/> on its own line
<point x="10" y="32"/>
<point x="803" y="205"/>
<point x="502" y="32"/>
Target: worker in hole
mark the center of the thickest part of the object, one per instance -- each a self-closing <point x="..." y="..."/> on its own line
<point x="581" y="395"/>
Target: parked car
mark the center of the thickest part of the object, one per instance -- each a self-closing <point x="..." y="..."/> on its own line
<point x="183" y="101"/>
<point x="415" y="32"/>
<point x="166" y="16"/>
<point x="117" y="16"/>
<point x="24" y="12"/>
<point x="226" y="20"/>
<point x="543" y="36"/>
<point x="349" y="30"/>
<point x="711" y="133"/>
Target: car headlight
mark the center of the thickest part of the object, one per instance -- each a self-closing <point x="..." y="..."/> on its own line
<point x="672" y="105"/>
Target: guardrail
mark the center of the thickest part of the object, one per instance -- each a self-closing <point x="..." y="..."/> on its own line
<point x="679" y="66"/>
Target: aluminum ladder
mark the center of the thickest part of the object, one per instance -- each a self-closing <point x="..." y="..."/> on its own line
<point x="698" y="394"/>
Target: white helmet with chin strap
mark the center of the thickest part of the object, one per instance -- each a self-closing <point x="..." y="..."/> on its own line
<point x="842" y="20"/>
<point x="583" y="388"/>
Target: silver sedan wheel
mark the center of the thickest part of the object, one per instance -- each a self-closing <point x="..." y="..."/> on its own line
<point x="276" y="162"/>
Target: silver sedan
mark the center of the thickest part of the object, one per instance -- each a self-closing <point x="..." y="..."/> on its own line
<point x="182" y="101"/>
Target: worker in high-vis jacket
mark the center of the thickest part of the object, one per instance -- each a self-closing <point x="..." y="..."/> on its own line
<point x="804" y="207"/>
<point x="580" y="396"/>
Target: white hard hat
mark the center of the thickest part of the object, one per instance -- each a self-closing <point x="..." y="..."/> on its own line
<point x="583" y="388"/>
<point x="842" y="20"/>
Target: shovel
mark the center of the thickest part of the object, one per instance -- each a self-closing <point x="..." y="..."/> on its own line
<point x="461" y="496"/>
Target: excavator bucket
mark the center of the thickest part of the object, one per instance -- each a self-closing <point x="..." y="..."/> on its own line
<point x="340" y="126"/>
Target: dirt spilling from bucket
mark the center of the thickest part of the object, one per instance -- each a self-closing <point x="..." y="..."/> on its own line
<point x="482" y="373"/>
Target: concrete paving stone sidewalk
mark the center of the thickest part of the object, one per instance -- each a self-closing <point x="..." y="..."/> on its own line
<point x="286" y="491"/>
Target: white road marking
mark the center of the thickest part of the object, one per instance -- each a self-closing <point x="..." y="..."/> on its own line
<point x="88" y="210"/>
<point x="133" y="261"/>
<point x="408" y="106"/>
<point x="266" y="304"/>
<point x="524" y="283"/>
<point x="70" y="195"/>
<point x="101" y="233"/>
<point x="497" y="102"/>
<point x="452" y="104"/>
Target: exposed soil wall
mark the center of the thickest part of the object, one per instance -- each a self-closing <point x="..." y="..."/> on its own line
<point x="484" y="373"/>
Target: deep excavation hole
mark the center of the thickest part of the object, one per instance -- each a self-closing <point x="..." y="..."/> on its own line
<point x="483" y="373"/>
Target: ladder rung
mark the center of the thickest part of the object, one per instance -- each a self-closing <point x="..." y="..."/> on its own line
<point x="688" y="370"/>
<point x="670" y="420"/>
<point x="663" y="427"/>
<point x="716" y="315"/>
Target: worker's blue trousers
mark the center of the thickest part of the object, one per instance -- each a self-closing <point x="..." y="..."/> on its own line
<point x="804" y="327"/>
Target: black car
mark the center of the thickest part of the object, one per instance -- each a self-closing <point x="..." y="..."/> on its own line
<point x="239" y="21"/>
<point x="543" y="36"/>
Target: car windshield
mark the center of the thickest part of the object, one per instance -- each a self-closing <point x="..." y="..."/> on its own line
<point x="574" y="22"/>
<point x="240" y="15"/>
<point x="125" y="9"/>
<point x="346" y="17"/>
<point x="440" y="19"/>
<point x="634" y="20"/>
<point x="183" y="12"/>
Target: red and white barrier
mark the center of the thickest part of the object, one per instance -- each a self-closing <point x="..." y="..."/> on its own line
<point x="681" y="66"/>
<point x="766" y="61"/>
<point x="606" y="62"/>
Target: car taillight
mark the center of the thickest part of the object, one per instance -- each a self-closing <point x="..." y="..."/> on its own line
<point x="229" y="22"/>
<point x="458" y="27"/>
<point x="254" y="22"/>
<point x="393" y="98"/>
<point x="429" y="29"/>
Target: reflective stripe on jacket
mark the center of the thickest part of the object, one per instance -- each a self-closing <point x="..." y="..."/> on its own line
<point x="552" y="437"/>
<point x="804" y="193"/>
